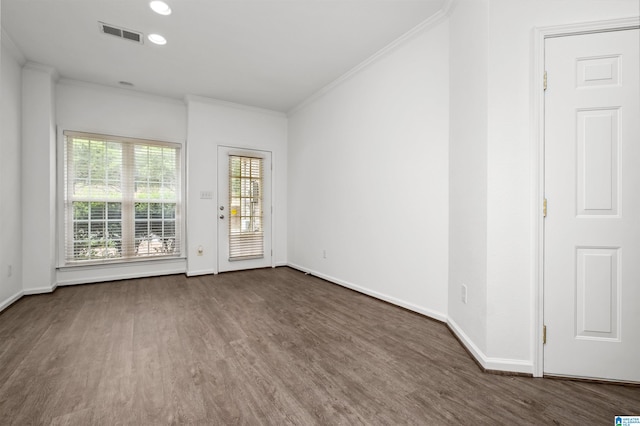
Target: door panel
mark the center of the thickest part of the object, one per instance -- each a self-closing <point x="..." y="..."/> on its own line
<point x="592" y="184"/>
<point x="597" y="290"/>
<point x="244" y="209"/>
<point x="597" y="161"/>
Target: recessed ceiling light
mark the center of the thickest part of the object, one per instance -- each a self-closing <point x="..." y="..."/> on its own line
<point x="157" y="39"/>
<point x="160" y="7"/>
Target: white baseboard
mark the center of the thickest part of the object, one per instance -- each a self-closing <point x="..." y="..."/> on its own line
<point x="395" y="301"/>
<point x="278" y="264"/>
<point x="200" y="272"/>
<point x="490" y="363"/>
<point x="11" y="300"/>
<point x="39" y="290"/>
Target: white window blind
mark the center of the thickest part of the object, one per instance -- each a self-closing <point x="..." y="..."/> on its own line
<point x="122" y="198"/>
<point x="246" y="235"/>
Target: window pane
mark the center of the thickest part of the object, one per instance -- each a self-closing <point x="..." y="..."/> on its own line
<point x="142" y="229"/>
<point x="80" y="211"/>
<point x="151" y="246"/>
<point x="157" y="229"/>
<point x="155" y="210"/>
<point x="97" y="210"/>
<point x="81" y="230"/>
<point x="169" y="229"/>
<point x="235" y="187"/>
<point x="96" y="230"/>
<point x="96" y="168"/>
<point x="81" y="250"/>
<point x="115" y="230"/>
<point x="97" y="160"/>
<point x="142" y="210"/>
<point x="80" y="149"/>
<point x="169" y="210"/>
<point x="114" y="210"/>
<point x="81" y="186"/>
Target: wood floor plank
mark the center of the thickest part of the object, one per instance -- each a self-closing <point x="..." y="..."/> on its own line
<point x="262" y="347"/>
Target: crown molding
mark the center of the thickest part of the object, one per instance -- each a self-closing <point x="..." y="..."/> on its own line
<point x="46" y="69"/>
<point x="11" y="46"/>
<point x="425" y="25"/>
<point x="217" y="102"/>
<point x="69" y="82"/>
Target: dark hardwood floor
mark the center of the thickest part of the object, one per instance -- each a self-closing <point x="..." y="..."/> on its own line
<point x="269" y="346"/>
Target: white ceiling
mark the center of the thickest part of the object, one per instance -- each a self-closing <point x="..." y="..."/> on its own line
<point x="266" y="53"/>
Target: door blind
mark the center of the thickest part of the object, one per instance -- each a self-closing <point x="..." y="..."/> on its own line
<point x="246" y="234"/>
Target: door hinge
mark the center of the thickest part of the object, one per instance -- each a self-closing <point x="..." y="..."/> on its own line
<point x="544" y="334"/>
<point x="544" y="207"/>
<point x="544" y="81"/>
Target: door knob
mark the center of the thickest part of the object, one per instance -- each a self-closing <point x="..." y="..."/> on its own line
<point x="221" y="208"/>
<point x="221" y="216"/>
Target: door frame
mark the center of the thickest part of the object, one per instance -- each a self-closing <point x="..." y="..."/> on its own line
<point x="537" y="147"/>
<point x="244" y="149"/>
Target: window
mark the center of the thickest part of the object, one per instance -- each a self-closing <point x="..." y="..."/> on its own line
<point x="122" y="198"/>
<point x="246" y="235"/>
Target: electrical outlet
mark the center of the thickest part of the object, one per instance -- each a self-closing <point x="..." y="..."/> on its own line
<point x="324" y="254"/>
<point x="463" y="293"/>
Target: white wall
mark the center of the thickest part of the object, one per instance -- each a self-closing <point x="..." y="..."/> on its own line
<point x="120" y="112"/>
<point x="38" y="178"/>
<point x="210" y="124"/>
<point x="10" y="194"/>
<point x="368" y="179"/>
<point x="468" y="170"/>
<point x="504" y="334"/>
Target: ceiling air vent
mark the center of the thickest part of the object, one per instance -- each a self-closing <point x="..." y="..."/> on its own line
<point x="120" y="32"/>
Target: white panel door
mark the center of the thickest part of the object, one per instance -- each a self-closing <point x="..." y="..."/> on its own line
<point x="244" y="209"/>
<point x="592" y="185"/>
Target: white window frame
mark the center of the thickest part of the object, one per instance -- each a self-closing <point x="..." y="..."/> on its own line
<point x="61" y="228"/>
